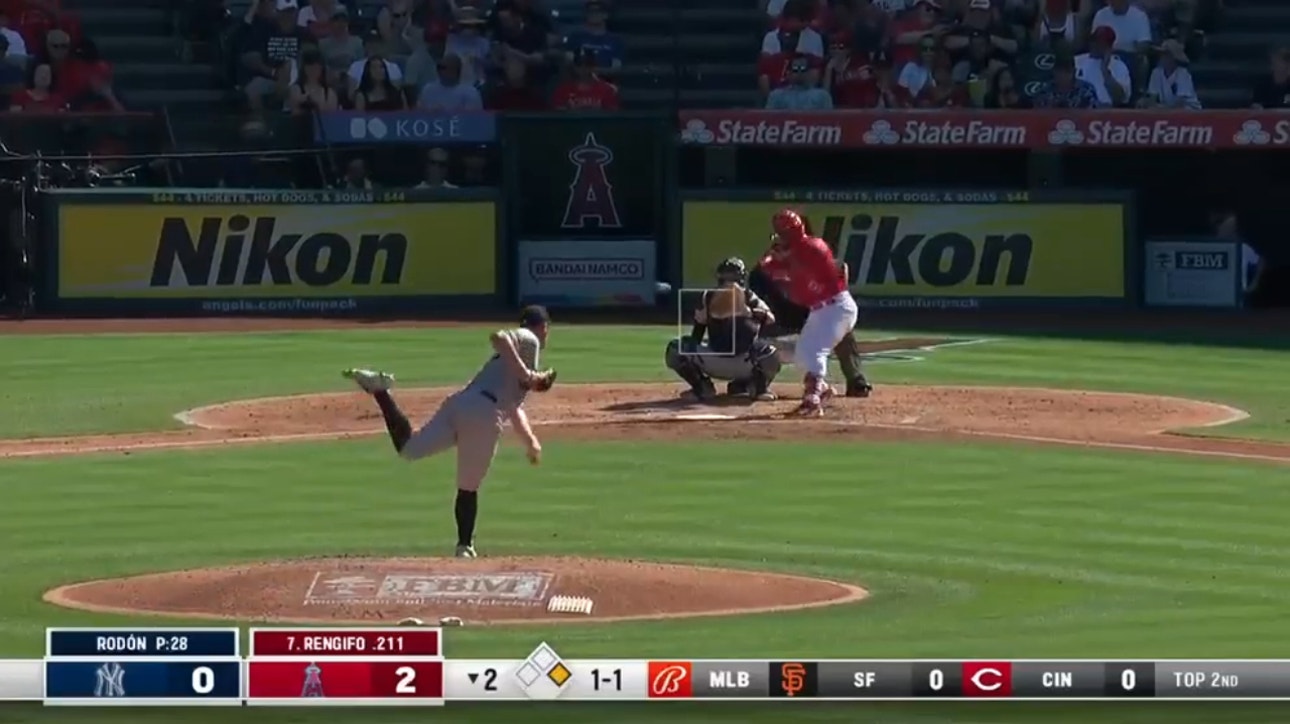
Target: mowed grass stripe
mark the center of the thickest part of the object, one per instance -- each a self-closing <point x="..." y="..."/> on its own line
<point x="846" y="522"/>
<point x="73" y="385"/>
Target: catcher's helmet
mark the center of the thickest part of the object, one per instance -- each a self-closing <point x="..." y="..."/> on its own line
<point x="732" y="269"/>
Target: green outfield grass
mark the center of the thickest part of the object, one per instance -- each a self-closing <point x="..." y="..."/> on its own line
<point x="986" y="550"/>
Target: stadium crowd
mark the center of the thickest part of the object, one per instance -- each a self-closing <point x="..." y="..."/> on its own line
<point x="49" y="65"/>
<point x="435" y="55"/>
<point x="297" y="58"/>
<point x="990" y="54"/>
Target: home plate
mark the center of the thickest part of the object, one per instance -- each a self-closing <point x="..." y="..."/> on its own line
<point x="706" y="416"/>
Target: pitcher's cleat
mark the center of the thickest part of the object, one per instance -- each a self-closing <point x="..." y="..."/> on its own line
<point x="466" y="552"/>
<point x="371" y="381"/>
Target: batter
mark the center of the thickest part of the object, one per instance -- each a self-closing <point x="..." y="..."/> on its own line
<point x="813" y="278"/>
<point x="472" y="418"/>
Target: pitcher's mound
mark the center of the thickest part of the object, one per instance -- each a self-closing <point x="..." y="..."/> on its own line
<point x="509" y="590"/>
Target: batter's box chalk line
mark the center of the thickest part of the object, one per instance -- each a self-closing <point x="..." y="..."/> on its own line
<point x="570" y="604"/>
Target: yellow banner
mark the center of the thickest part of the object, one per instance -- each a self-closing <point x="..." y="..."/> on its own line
<point x="127" y="251"/>
<point x="932" y="250"/>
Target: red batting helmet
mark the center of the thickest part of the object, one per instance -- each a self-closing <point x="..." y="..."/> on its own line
<point x="788" y="226"/>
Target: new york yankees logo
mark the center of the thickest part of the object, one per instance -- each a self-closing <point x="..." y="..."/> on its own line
<point x="591" y="196"/>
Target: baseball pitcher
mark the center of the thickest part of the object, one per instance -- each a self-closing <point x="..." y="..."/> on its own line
<point x="472" y="419"/>
<point x="731" y="316"/>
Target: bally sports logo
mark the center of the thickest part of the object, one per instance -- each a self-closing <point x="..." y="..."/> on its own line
<point x="671" y="679"/>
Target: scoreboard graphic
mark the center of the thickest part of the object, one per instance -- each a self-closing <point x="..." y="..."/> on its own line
<point x="404" y="666"/>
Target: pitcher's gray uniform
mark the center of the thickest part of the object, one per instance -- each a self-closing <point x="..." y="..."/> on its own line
<point x="471" y="419"/>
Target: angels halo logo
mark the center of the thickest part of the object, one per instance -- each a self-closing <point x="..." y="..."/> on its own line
<point x="591" y="197"/>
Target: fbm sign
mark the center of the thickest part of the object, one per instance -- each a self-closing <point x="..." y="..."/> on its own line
<point x="1202" y="259"/>
<point x="477" y="589"/>
<point x="1202" y="273"/>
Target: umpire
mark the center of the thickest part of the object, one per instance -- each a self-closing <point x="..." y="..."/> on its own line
<point x="790" y="318"/>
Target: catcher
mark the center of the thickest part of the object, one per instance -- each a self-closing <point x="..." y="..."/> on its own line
<point x="472" y="418"/>
<point x="732" y="317"/>
<point x="791" y="317"/>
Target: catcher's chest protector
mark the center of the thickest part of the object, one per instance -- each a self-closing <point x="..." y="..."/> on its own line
<point x="731" y="327"/>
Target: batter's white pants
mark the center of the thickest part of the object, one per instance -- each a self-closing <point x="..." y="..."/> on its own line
<point x="825" y="326"/>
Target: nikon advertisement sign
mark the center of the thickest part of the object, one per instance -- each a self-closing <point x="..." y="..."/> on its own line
<point x="271" y="252"/>
<point x="933" y="249"/>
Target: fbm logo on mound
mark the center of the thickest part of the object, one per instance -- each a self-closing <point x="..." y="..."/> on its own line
<point x="254" y="252"/>
<point x="475" y="589"/>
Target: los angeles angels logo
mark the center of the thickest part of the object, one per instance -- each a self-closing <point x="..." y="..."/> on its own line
<point x="591" y="196"/>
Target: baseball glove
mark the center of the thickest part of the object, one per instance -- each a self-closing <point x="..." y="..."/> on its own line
<point x="544" y="381"/>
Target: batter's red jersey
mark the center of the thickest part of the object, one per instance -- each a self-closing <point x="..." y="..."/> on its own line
<point x="813" y="276"/>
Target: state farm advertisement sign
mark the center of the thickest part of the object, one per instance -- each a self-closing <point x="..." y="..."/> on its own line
<point x="987" y="129"/>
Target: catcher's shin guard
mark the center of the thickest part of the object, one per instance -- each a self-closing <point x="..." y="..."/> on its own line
<point x="685" y="367"/>
<point x="765" y="367"/>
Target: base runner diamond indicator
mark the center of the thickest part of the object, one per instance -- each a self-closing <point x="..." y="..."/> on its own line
<point x="527" y="674"/>
<point x="559" y="674"/>
<point x="543" y="675"/>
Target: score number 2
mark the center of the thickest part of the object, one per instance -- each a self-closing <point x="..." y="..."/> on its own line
<point x="409" y="680"/>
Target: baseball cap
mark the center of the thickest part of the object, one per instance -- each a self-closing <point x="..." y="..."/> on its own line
<point x="534" y="315"/>
<point x="1105" y="34"/>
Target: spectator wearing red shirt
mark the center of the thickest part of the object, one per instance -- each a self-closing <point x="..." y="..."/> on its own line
<point x="772" y="66"/>
<point x="943" y="92"/>
<point x="40" y="97"/>
<point x="855" y="79"/>
<point x="80" y="75"/>
<point x="35" y="18"/>
<point x="908" y="33"/>
<point x="585" y="91"/>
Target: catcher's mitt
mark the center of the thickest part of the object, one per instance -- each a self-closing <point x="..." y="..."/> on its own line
<point x="729" y="302"/>
<point x="544" y="381"/>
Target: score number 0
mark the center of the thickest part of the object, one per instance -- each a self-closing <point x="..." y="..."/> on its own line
<point x="203" y="680"/>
